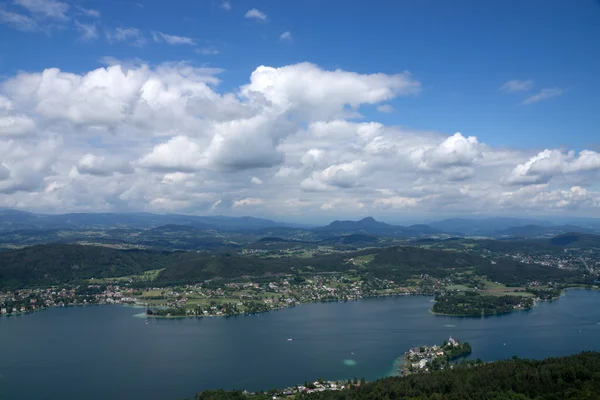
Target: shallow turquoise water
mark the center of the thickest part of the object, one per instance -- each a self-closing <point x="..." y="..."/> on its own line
<point x="104" y="353"/>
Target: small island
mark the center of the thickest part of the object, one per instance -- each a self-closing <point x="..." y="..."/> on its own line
<point x="433" y="358"/>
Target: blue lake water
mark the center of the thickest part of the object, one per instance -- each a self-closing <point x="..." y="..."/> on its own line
<point x="104" y="352"/>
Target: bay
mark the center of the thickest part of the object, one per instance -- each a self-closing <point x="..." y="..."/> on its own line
<point x="104" y="352"/>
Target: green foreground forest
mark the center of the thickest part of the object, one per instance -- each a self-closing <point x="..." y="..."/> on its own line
<point x="567" y="378"/>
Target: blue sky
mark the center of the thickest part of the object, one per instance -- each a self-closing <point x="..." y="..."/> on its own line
<point x="463" y="51"/>
<point x="520" y="77"/>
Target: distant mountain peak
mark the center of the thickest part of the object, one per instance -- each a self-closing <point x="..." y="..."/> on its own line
<point x="370" y="226"/>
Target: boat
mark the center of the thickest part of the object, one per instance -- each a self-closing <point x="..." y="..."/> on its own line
<point x="289" y="339"/>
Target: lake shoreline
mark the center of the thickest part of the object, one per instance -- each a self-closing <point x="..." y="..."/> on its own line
<point x="282" y="308"/>
<point x="142" y="305"/>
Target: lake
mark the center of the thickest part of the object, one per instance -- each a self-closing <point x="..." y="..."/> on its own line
<point x="104" y="352"/>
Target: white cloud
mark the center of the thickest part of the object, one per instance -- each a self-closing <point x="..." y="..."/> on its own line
<point x="250" y="201"/>
<point x="324" y="94"/>
<point x="18" y="21"/>
<point x="102" y="166"/>
<point x="226" y="5"/>
<point x="46" y="8"/>
<point x="455" y="151"/>
<point x="543" y="94"/>
<point x="207" y="51"/>
<point x="168" y="137"/>
<point x="256" y="15"/>
<point x="172" y="39"/>
<point x="88" y="12"/>
<point x="87" y="31"/>
<point x="385" y="108"/>
<point x="178" y="154"/>
<point x="286" y="36"/>
<point x="6" y="104"/>
<point x="395" y="202"/>
<point x="575" y="197"/>
<point x="343" y="175"/>
<point x="549" y="163"/>
<point x="132" y="36"/>
<point x="517" y="86"/>
<point x="16" y="125"/>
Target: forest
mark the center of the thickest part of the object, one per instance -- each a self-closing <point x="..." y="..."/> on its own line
<point x="474" y="304"/>
<point x="46" y="265"/>
<point x="566" y="378"/>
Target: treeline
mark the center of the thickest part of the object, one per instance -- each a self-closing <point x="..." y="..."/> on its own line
<point x="513" y="273"/>
<point x="554" y="245"/>
<point x="567" y="378"/>
<point x="53" y="264"/>
<point x="474" y="304"/>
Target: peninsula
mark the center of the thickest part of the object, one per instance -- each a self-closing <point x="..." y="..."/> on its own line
<point x="425" y="359"/>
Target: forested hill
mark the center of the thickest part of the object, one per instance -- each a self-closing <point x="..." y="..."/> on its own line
<point x="47" y="265"/>
<point x="566" y="378"/>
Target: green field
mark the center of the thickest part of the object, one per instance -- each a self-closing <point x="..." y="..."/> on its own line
<point x="145" y="276"/>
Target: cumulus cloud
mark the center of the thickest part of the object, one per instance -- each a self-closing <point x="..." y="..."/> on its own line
<point x="548" y="163"/>
<point x="178" y="154"/>
<point x="289" y="142"/>
<point x="455" y="151"/>
<point x="16" y="125"/>
<point x="102" y="166"/>
<point x="574" y="197"/>
<point x="543" y="94"/>
<point x="344" y="175"/>
<point x="321" y="94"/>
<point x="517" y="86"/>
<point x="256" y="15"/>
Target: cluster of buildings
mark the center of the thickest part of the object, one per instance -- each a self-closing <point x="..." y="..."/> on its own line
<point x="572" y="259"/>
<point x="280" y="292"/>
<point x="313" y="387"/>
<point x="421" y="359"/>
<point x="31" y="300"/>
<point x="210" y="299"/>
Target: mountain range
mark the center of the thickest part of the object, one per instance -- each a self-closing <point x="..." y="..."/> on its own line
<point x="21" y="221"/>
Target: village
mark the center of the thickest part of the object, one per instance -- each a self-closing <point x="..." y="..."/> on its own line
<point x="425" y="359"/>
<point x="210" y="298"/>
